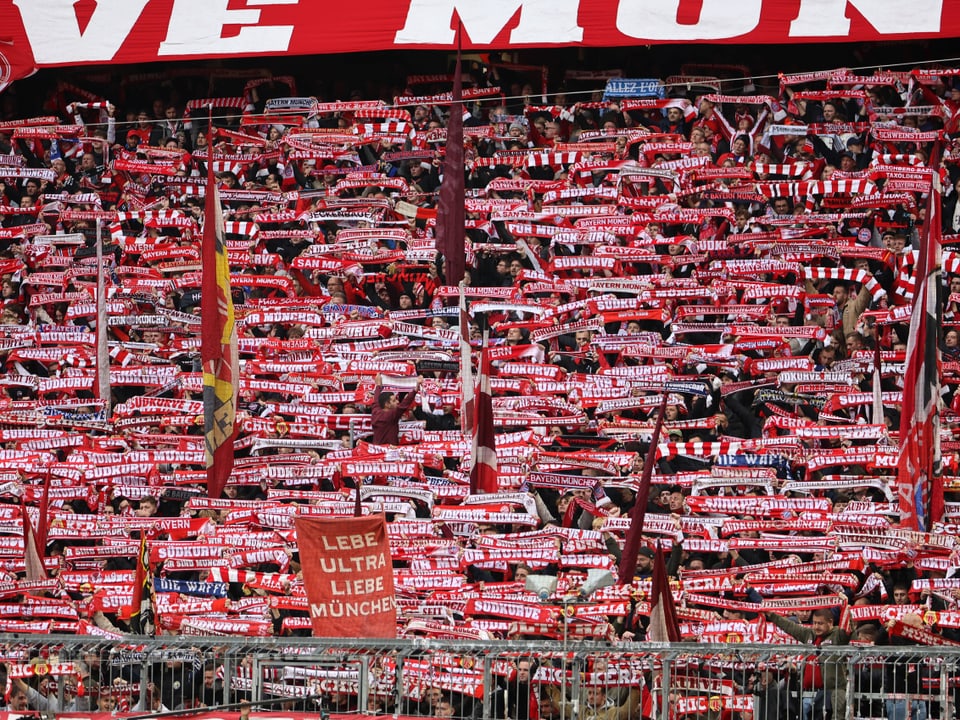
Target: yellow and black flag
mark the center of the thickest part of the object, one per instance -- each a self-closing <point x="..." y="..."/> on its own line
<point x="218" y="345"/>
<point x="141" y="607"/>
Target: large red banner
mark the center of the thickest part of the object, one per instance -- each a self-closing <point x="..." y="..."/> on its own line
<point x="48" y="33"/>
<point x="348" y="576"/>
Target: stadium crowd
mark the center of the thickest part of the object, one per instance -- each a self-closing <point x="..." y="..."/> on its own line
<point x="750" y="255"/>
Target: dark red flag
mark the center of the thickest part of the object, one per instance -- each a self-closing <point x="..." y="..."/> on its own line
<point x="43" y="522"/>
<point x="450" y="213"/>
<point x="628" y="560"/>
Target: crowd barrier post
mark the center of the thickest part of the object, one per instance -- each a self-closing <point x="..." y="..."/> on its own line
<point x="228" y="672"/>
<point x="487" y="686"/>
<point x="664" y="694"/>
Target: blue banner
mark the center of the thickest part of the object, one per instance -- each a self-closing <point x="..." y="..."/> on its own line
<point x="778" y="462"/>
<point x="633" y="88"/>
<point x="690" y="388"/>
<point x="190" y="587"/>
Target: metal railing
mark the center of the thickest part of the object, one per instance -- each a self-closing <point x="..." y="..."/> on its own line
<point x="486" y="680"/>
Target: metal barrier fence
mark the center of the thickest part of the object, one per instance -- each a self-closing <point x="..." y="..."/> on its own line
<point x="482" y="681"/>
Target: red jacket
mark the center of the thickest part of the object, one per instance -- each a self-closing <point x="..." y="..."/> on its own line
<point x="386" y="423"/>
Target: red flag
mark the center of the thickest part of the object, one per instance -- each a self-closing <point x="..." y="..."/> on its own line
<point x="631" y="545"/>
<point x="450" y="213"/>
<point x="218" y="345"/>
<point x="663" y="614"/>
<point x="16" y="61"/>
<point x="483" y="458"/>
<point x="32" y="551"/>
<point x="348" y="576"/>
<point x="920" y="491"/>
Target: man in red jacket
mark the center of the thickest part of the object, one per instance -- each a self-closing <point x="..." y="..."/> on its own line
<point x="388" y="408"/>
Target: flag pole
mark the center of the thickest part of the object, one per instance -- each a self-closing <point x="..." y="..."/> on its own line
<point x="103" y="350"/>
<point x="467" y="390"/>
<point x="877" y="388"/>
